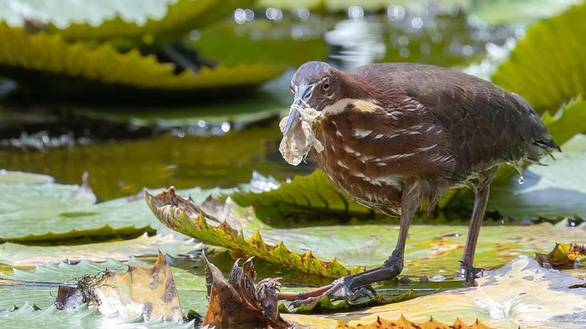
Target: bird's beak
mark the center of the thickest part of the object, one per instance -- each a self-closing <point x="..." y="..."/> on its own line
<point x="301" y="93"/>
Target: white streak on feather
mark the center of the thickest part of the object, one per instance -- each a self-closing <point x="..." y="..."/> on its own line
<point x="359" y="104"/>
<point x="361" y="133"/>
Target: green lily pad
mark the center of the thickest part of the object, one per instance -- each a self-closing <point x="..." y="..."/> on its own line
<point x="555" y="190"/>
<point x="51" y="55"/>
<point x="39" y="287"/>
<point x="16" y="177"/>
<point x="89" y="317"/>
<point x="498" y="12"/>
<point x="305" y="199"/>
<point x="49" y="213"/>
<point x="262" y="42"/>
<point x="118" y="21"/>
<point x="431" y="249"/>
<point x="124" y="250"/>
<point x="554" y="46"/>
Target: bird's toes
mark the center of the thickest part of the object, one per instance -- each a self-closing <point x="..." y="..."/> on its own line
<point x="470" y="274"/>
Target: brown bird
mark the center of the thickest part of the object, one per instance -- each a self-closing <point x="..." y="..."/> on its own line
<point x="395" y="137"/>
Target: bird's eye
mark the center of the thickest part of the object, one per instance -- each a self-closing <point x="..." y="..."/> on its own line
<point x="325" y="86"/>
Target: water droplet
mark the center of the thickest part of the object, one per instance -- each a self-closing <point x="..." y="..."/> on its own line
<point x="521" y="180"/>
<point x="518" y="165"/>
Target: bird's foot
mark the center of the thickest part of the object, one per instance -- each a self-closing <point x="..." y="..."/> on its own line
<point x="340" y="289"/>
<point x="470" y="273"/>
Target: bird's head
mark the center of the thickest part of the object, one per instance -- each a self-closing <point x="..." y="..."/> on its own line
<point x="315" y="85"/>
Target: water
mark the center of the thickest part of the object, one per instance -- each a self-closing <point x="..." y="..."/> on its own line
<point x="124" y="148"/>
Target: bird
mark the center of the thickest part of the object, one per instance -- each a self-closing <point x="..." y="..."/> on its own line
<point x="396" y="136"/>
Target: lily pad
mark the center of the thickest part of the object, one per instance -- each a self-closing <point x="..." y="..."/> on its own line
<point x="310" y="198"/>
<point x="39" y="287"/>
<point x="16" y="177"/>
<point x="554" y="190"/>
<point x="118" y="20"/>
<point x="143" y="246"/>
<point x="50" y="212"/>
<point x="52" y="318"/>
<point x="498" y="12"/>
<point x="284" y="43"/>
<point x="520" y="295"/>
<point x="51" y="55"/>
<point x="555" y="46"/>
<point x="431" y="250"/>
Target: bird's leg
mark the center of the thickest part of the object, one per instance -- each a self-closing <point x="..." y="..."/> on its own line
<point x="353" y="287"/>
<point x="481" y="193"/>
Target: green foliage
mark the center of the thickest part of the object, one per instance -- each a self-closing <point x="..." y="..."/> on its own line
<point x="121" y="250"/>
<point x="310" y="198"/>
<point x="547" y="66"/>
<point x="497" y="12"/>
<point x="569" y="121"/>
<point x="47" y="213"/>
<point x="120" y="22"/>
<point x="39" y="286"/>
<point x="260" y="42"/>
<point x="431" y="249"/>
<point x="178" y="214"/>
<point x="50" y="54"/>
<point x="552" y="191"/>
<point x="51" y="318"/>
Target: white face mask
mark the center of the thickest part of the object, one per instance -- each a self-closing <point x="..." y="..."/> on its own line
<point x="298" y="134"/>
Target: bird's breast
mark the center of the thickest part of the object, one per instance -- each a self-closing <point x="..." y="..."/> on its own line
<point x="357" y="156"/>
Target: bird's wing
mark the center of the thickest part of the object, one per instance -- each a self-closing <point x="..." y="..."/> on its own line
<point x="482" y="123"/>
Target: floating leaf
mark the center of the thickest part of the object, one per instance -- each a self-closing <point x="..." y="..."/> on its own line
<point x="233" y="44"/>
<point x="555" y="190"/>
<point x="431" y="249"/>
<point x="406" y="324"/>
<point x="310" y="198"/>
<point x="124" y="250"/>
<point x="240" y="303"/>
<point x="49" y="213"/>
<point x="555" y="47"/>
<point x="140" y="292"/>
<point x="183" y="216"/>
<point x="519" y="295"/>
<point x="50" y="54"/>
<point x="39" y="286"/>
<point x="498" y="12"/>
<point x="563" y="255"/>
<point x="570" y="120"/>
<point x="118" y="21"/>
<point x="16" y="177"/>
<point x="52" y="318"/>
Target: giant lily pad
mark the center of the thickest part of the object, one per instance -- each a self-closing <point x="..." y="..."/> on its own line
<point x="124" y="250"/>
<point x="39" y="287"/>
<point x="555" y="190"/>
<point x="52" y="318"/>
<point x="118" y="20"/>
<point x="286" y="43"/>
<point x="519" y="295"/>
<point x="517" y="11"/>
<point x="555" y="47"/>
<point x="431" y="250"/>
<point x="310" y="198"/>
<point x="50" y="212"/>
<point x="51" y="55"/>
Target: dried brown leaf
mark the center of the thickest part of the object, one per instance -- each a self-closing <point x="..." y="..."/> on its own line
<point x="147" y="292"/>
<point x="238" y="303"/>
